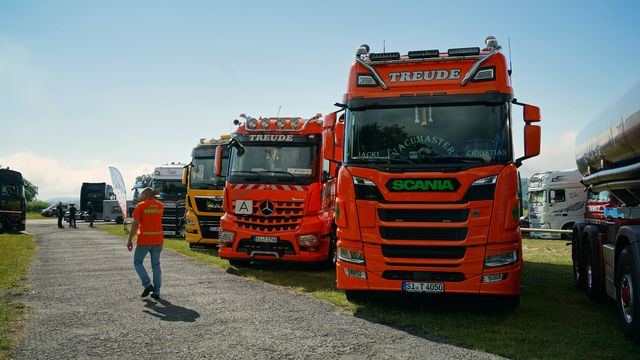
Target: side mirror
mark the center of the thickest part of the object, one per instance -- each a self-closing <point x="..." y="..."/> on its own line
<point x="532" y="133"/>
<point x="531" y="141"/>
<point x="218" y="164"/>
<point x="531" y="113"/>
<point x="329" y="136"/>
<point x="185" y="175"/>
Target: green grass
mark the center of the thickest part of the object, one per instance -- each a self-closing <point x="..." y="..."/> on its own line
<point x="32" y="215"/>
<point x="16" y="252"/>
<point x="554" y="320"/>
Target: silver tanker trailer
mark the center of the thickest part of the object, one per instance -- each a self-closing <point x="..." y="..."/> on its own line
<point x="606" y="245"/>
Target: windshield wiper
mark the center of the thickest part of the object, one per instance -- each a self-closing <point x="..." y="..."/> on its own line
<point x="293" y="177"/>
<point x="238" y="172"/>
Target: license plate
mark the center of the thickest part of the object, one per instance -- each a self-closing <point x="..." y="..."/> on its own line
<point x="423" y="287"/>
<point x="265" y="239"/>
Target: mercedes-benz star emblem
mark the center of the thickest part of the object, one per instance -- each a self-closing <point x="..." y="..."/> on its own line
<point x="267" y="208"/>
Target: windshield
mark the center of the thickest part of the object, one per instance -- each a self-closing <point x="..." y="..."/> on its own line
<point x="11" y="190"/>
<point x="602" y="196"/>
<point x="202" y="173"/>
<point x="294" y="163"/>
<point x="536" y="197"/>
<point x="169" y="188"/>
<point x="460" y="134"/>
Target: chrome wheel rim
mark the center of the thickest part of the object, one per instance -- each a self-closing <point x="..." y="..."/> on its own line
<point x="626" y="298"/>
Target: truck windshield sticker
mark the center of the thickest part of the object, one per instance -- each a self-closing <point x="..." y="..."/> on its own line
<point x="436" y="185"/>
<point x="298" y="171"/>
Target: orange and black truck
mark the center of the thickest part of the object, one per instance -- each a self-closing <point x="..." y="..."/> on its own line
<point x="427" y="181"/>
<point x="278" y="198"/>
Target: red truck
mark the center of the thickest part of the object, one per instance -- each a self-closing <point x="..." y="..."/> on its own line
<point x="278" y="198"/>
<point x="427" y="182"/>
<point x="606" y="245"/>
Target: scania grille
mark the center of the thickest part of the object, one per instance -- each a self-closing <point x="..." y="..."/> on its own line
<point x="423" y="252"/>
<point x="422" y="233"/>
<point x="406" y="215"/>
<point x="282" y="247"/>
<point x="423" y="276"/>
<point x="208" y="204"/>
<point x="287" y="216"/>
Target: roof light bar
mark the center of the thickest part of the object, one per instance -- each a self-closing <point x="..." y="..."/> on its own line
<point x="423" y="54"/>
<point x="384" y="56"/>
<point x="265" y="122"/>
<point x="294" y="123"/>
<point x="468" y="51"/>
<point x="252" y="123"/>
<point x="281" y="122"/>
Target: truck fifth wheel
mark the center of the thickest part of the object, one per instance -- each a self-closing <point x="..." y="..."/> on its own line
<point x="427" y="187"/>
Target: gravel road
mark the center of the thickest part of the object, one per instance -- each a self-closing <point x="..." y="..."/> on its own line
<point x="85" y="300"/>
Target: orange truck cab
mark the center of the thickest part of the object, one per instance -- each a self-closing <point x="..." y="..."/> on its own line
<point x="427" y="182"/>
<point x="278" y="201"/>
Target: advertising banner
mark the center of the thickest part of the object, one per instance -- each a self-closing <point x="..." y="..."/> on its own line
<point x="120" y="190"/>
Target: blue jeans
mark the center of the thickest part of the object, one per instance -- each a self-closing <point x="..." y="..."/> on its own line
<point x="138" y="258"/>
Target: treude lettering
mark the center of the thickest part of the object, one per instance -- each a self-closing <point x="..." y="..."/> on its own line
<point x="424" y="75"/>
<point x="270" y="137"/>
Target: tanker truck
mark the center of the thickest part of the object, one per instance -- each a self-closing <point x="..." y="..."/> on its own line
<point x="606" y="245"/>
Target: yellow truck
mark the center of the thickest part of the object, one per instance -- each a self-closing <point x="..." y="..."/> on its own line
<point x="204" y="193"/>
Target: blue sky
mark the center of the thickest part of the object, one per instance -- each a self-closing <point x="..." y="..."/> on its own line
<point x="85" y="85"/>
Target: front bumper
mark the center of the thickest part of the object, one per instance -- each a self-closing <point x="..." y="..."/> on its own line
<point x="286" y="249"/>
<point x="466" y="277"/>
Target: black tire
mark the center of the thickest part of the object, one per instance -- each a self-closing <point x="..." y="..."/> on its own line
<point x="3" y="226"/>
<point x="333" y="253"/>
<point x="566" y="236"/>
<point x="192" y="245"/>
<point x="358" y="296"/>
<point x="628" y="294"/>
<point x="119" y="220"/>
<point x="578" y="263"/>
<point x="592" y="282"/>
<point x="239" y="262"/>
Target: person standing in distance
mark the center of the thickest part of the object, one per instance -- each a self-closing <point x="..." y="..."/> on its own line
<point x="60" y="214"/>
<point x="72" y="216"/>
<point x="90" y="212"/>
<point x="147" y="224"/>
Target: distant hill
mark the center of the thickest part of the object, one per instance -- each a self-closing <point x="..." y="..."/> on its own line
<point x="65" y="200"/>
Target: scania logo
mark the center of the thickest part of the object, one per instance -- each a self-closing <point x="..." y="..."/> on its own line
<point x="431" y="185"/>
<point x="267" y="208"/>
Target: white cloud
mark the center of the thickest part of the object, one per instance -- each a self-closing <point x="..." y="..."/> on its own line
<point x="62" y="179"/>
<point x="556" y="154"/>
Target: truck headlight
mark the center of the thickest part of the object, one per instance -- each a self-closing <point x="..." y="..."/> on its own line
<point x="354" y="257"/>
<point x="190" y="222"/>
<point x="503" y="259"/>
<point x="225" y="237"/>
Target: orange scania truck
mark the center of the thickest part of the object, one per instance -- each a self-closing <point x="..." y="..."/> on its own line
<point x="427" y="182"/>
<point x="278" y="198"/>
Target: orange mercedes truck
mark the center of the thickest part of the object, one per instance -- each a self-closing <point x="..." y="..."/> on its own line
<point x="427" y="182"/>
<point x="278" y="199"/>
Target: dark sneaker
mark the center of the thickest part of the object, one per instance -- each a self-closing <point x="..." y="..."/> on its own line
<point x="155" y="296"/>
<point x="147" y="291"/>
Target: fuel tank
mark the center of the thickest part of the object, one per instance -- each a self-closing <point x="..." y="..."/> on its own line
<point x="611" y="141"/>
